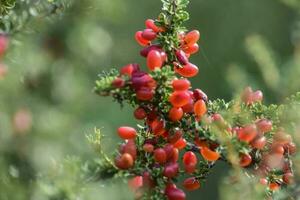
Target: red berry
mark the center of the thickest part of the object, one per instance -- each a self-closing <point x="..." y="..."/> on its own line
<point x="264" y="125"/>
<point x="179" y="98"/>
<point x="248" y="133"/>
<point x="250" y="97"/>
<point x="154" y="60"/>
<point x="158" y="127"/>
<point x="118" y="82"/>
<point x="151" y="25"/>
<point x="160" y="155"/>
<point x="190" y="162"/>
<point x="219" y="120"/>
<point x="192" y="37"/>
<point x="191" y="184"/>
<point x="263" y="181"/>
<point x="175" y="114"/>
<point x="259" y="143"/>
<point x="199" y="95"/>
<point x="140" y="39"/>
<point x="189" y="158"/>
<point x="189" y="169"/>
<point x="163" y="55"/>
<point x="181" y="84"/>
<point x="200" y="108"/>
<point x="169" y="151"/>
<point x="171" y="170"/>
<point x="126" y="132"/>
<point x="188" y="70"/>
<point x="140" y="113"/>
<point x="3" y="44"/>
<point x="209" y="155"/>
<point x="180" y="144"/>
<point x="149" y="34"/>
<point x="147" y="180"/>
<point x="135" y="183"/>
<point x="148" y="148"/>
<point x="191" y="49"/>
<point x="245" y="160"/>
<point x="142" y="80"/>
<point x="288" y="178"/>
<point x="172" y="139"/>
<point x="181" y="57"/>
<point x="129" y="69"/>
<point x="124" y="161"/>
<point x="169" y="187"/>
<point x="175" y="155"/>
<point x="144" y="94"/>
<point x="257" y="96"/>
<point x="130" y="148"/>
<point x="278" y="149"/>
<point x="175" y="194"/>
<point x="189" y="107"/>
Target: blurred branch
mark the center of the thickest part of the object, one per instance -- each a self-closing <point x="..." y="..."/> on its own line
<point x="20" y="13"/>
<point x="266" y="60"/>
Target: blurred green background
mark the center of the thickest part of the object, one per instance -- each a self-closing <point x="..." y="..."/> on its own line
<point x="46" y="101"/>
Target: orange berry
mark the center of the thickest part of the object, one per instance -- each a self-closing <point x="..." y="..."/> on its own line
<point x="209" y="155"/>
<point x="200" y="108"/>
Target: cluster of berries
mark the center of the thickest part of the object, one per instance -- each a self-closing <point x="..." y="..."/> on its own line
<point x="182" y="101"/>
<point x="176" y="137"/>
<point x="157" y="57"/>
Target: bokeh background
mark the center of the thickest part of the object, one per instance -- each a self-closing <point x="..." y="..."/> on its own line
<point x="47" y="105"/>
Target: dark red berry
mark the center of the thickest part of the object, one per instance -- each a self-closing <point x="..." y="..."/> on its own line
<point x="181" y="57"/>
<point x="175" y="194"/>
<point x="160" y="155"/>
<point x="140" y="113"/>
<point x="171" y="170"/>
<point x="199" y="95"/>
<point x="149" y="34"/>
